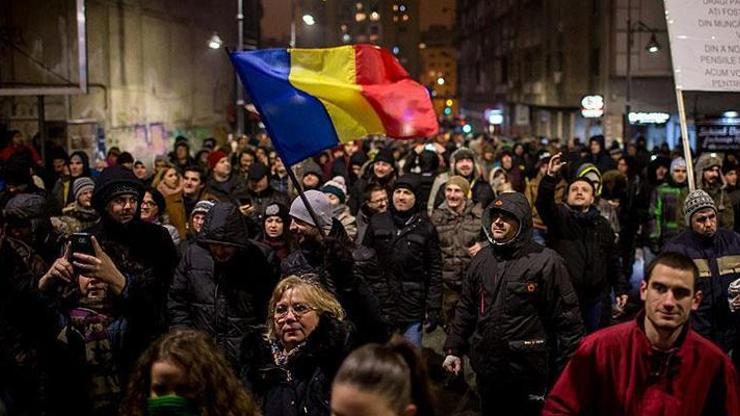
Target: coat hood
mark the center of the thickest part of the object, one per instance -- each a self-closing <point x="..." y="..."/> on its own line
<point x="224" y="224"/>
<point x="516" y="205"/>
<point x="705" y="161"/>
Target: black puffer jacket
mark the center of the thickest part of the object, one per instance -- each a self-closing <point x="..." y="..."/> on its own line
<point x="352" y="274"/>
<point x="587" y="243"/>
<point x="412" y="257"/>
<point x="226" y="300"/>
<point x="303" y="386"/>
<point x="517" y="307"/>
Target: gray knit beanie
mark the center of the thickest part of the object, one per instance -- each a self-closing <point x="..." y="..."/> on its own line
<point x="696" y="201"/>
<point x="82" y="184"/>
<point x="321" y="206"/>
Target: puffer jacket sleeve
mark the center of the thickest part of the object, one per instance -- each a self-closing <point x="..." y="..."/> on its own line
<point x="178" y="305"/>
<point x="563" y="312"/>
<point x="466" y="315"/>
<point x="433" y="261"/>
<point x="545" y="203"/>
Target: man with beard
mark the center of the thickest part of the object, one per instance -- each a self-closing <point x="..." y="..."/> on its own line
<point x="517" y="307"/>
<point x="716" y="252"/>
<point x="137" y="257"/>
<point x="586" y="241"/>
<point x="382" y="172"/>
<point x="408" y="245"/>
<point x="708" y="172"/>
<point x="223" y="282"/>
<point x="193" y="183"/>
<point x="653" y="365"/>
<point x="347" y="270"/>
<point x="462" y="163"/>
<point x="729" y="172"/>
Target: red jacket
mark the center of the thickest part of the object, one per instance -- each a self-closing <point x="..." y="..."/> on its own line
<point x="615" y="371"/>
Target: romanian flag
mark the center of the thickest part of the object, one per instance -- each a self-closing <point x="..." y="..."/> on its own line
<point x="315" y="99"/>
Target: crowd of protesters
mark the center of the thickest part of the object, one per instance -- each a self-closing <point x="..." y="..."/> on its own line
<point x="565" y="273"/>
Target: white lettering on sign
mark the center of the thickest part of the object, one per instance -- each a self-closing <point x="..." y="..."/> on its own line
<point x="705" y="47"/>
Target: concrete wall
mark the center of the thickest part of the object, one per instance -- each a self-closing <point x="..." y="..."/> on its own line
<point x="150" y="71"/>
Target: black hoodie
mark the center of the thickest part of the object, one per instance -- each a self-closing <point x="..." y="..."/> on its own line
<point x="517" y="306"/>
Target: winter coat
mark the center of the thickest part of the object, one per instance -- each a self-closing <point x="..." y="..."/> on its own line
<point x="480" y="190"/>
<point x="225" y="300"/>
<point x="586" y="242"/>
<point x="74" y="219"/>
<point x="145" y="254"/>
<point x="718" y="260"/>
<point x="341" y="212"/>
<point x="518" y="316"/>
<point x="616" y="372"/>
<point x="411" y="255"/>
<point x="175" y="210"/>
<point x="303" y="385"/>
<point x="666" y="213"/>
<point x="353" y="274"/>
<point x="261" y="200"/>
<point x="457" y="233"/>
<point x="224" y="191"/>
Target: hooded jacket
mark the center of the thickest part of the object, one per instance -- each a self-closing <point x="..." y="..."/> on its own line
<point x="666" y="212"/>
<point x="587" y="243"/>
<point x="725" y="210"/>
<point x="480" y="190"/>
<point x="517" y="306"/>
<point x="225" y="300"/>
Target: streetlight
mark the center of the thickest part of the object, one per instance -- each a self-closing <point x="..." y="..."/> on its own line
<point x="215" y="42"/>
<point x="309" y="20"/>
<point x="652" y="47"/>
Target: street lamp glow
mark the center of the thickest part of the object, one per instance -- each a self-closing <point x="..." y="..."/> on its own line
<point x="653" y="46"/>
<point x="374" y="16"/>
<point x="215" y="42"/>
<point x="440" y="81"/>
<point x="309" y="20"/>
<point x="730" y="114"/>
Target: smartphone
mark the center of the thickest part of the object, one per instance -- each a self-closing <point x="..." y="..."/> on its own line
<point x="82" y="243"/>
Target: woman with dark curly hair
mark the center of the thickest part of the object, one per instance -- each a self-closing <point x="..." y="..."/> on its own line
<point x="183" y="373"/>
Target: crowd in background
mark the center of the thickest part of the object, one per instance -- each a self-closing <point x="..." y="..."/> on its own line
<point x="214" y="289"/>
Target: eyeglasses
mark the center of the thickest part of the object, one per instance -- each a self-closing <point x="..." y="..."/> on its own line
<point x="379" y="201"/>
<point x="299" y="309"/>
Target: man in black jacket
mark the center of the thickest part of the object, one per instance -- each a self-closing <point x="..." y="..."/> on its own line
<point x="586" y="240"/>
<point x="350" y="272"/>
<point x="223" y="282"/>
<point x="408" y="245"/>
<point x="517" y="308"/>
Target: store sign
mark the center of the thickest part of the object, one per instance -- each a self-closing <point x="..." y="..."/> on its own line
<point x="592" y="106"/>
<point x="521" y="115"/>
<point x="648" y="118"/>
<point x="704" y="38"/>
<point x="723" y="135"/>
<point x="494" y="116"/>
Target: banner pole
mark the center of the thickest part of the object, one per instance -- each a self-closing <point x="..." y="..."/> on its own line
<point x="685" y="139"/>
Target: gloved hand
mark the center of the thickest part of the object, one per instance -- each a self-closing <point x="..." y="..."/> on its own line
<point x="431" y="324"/>
<point x="452" y="364"/>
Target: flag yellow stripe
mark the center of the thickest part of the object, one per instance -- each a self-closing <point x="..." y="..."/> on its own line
<point x="330" y="76"/>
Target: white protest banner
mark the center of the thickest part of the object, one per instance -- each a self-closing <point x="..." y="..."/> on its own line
<point x="705" y="44"/>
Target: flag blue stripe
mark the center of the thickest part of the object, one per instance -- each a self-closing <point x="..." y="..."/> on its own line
<point x="297" y="122"/>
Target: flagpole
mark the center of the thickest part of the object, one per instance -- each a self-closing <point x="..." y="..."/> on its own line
<point x="311" y="212"/>
<point x="685" y="138"/>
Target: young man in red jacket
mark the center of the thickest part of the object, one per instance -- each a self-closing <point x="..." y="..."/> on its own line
<point x="655" y="365"/>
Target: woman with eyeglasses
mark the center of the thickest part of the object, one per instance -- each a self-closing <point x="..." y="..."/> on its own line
<point x="290" y="366"/>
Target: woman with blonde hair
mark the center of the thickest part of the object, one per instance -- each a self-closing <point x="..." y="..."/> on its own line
<point x="183" y="373"/>
<point x="168" y="181"/>
<point x="290" y="366"/>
